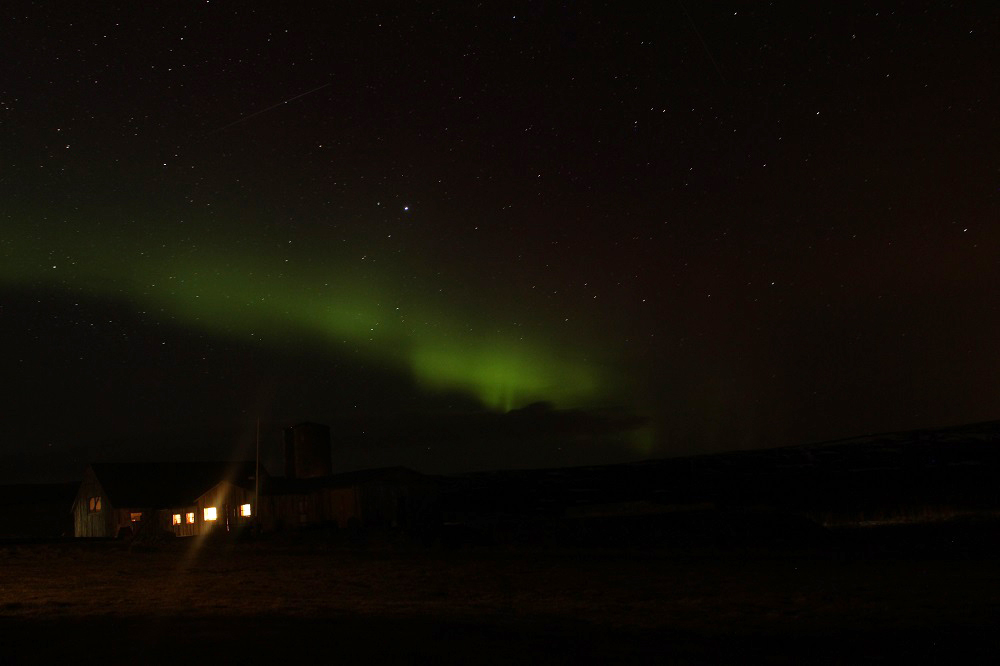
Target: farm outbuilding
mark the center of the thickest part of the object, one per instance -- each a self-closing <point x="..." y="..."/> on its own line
<point x="188" y="499"/>
<point x="185" y="499"/>
<point x="392" y="497"/>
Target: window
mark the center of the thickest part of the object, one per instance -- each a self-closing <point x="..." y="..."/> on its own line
<point x="176" y="519"/>
<point x="210" y="513"/>
<point x="190" y="518"/>
<point x="245" y="510"/>
<point x="136" y="516"/>
<point x="95" y="504"/>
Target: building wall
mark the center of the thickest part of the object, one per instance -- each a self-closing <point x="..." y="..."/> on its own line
<point x="87" y="523"/>
<point x="291" y="510"/>
<point x="227" y="499"/>
<point x="122" y="519"/>
<point x="185" y="528"/>
<point x="340" y="505"/>
<point x="371" y="504"/>
<point x="391" y="505"/>
<point x="325" y="506"/>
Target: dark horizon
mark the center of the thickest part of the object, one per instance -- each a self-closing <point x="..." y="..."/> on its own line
<point x="550" y="434"/>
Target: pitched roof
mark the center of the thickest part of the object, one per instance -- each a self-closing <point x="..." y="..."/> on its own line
<point x="162" y="485"/>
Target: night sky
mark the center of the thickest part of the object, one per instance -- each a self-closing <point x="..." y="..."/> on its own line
<point x="687" y="227"/>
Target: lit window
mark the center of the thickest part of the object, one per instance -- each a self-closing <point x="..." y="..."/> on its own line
<point x="244" y="509"/>
<point x="95" y="504"/>
<point x="190" y="518"/>
<point x="136" y="516"/>
<point x="210" y="513"/>
<point x="176" y="519"/>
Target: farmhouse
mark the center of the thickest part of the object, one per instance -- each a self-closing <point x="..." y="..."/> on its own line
<point x="122" y="499"/>
<point x="188" y="499"/>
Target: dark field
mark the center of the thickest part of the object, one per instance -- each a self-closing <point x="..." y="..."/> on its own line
<point x="865" y="597"/>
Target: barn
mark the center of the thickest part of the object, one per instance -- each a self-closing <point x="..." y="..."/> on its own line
<point x="391" y="497"/>
<point x="186" y="499"/>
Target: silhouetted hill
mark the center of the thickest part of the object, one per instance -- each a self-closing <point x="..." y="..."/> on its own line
<point x="914" y="476"/>
<point x="38" y="510"/>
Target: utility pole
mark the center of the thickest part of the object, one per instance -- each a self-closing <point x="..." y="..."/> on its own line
<point x="256" y="480"/>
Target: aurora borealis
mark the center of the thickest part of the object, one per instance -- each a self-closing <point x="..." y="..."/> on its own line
<point x="742" y="227"/>
<point x="301" y="294"/>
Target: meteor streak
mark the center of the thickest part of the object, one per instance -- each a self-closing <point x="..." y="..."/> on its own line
<point x="270" y="108"/>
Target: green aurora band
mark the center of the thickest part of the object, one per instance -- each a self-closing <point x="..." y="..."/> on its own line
<point x="279" y="297"/>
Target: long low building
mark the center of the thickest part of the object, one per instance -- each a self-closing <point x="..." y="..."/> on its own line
<point x="188" y="499"/>
<point x="391" y="497"/>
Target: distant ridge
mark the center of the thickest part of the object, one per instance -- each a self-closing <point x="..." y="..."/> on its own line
<point x="36" y="510"/>
<point x="991" y="428"/>
<point x="908" y="476"/>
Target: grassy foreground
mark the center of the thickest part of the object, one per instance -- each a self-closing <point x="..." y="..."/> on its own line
<point x="317" y="603"/>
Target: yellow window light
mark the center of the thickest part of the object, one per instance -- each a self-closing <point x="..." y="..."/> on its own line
<point x="245" y="510"/>
<point x="190" y="518"/>
<point x="210" y="513"/>
<point x="176" y="520"/>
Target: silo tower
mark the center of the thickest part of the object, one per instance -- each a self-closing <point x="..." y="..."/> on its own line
<point x="308" y="451"/>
